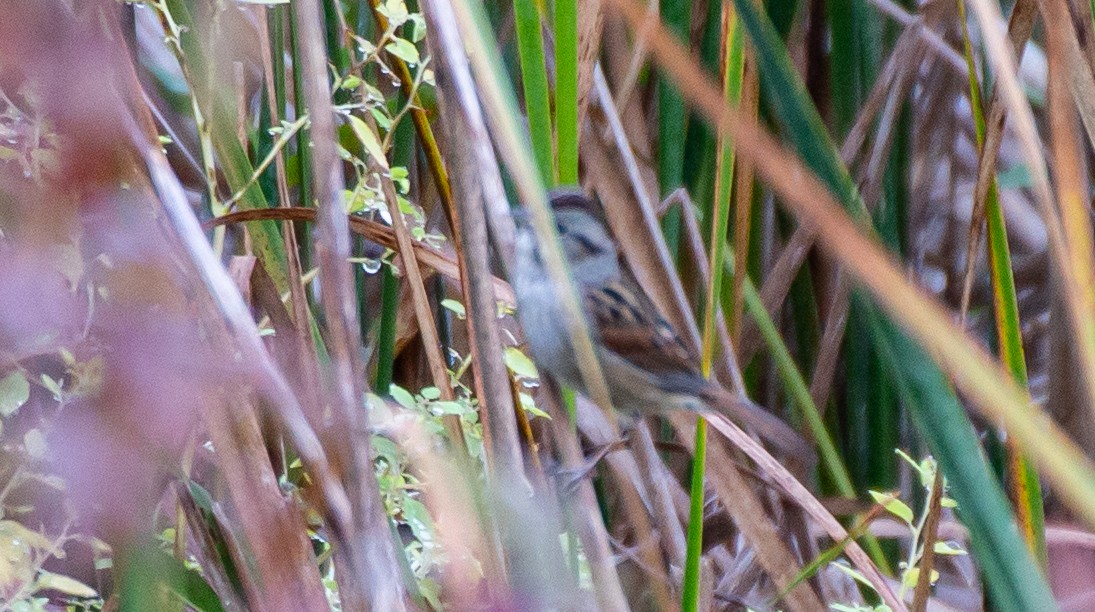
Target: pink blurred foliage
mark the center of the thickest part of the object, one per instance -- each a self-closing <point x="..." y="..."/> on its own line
<point x="88" y="266"/>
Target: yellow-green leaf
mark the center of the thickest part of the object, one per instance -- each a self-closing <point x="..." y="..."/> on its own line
<point x="893" y="506"/>
<point x="64" y="584"/>
<point x="369" y="140"/>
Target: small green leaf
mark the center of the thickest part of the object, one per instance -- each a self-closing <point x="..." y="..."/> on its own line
<point x="395" y="11"/>
<point x="402" y="397"/>
<point x="430" y="393"/>
<point x="381" y="118"/>
<point x="530" y="406"/>
<point x="456" y="307"/>
<point x="519" y="363"/>
<point x="14" y="392"/>
<point x="947" y="502"/>
<point x="946" y="548"/>
<point x="35" y="443"/>
<point x="64" y="584"/>
<point x="404" y="50"/>
<point x="350" y="82"/>
<point x="910" y="577"/>
<point x="368" y="140"/>
<point x="450" y="407"/>
<point x="53" y="386"/>
<point x="418" y="519"/>
<point x="893" y="505"/>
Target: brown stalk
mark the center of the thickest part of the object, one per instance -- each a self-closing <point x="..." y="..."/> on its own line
<point x="828" y="353"/>
<point x="1020" y="27"/>
<point x="934" y="41"/>
<point x="306" y="370"/>
<point x="272" y="525"/>
<point x="587" y="514"/>
<point x="659" y="484"/>
<point x="625" y="469"/>
<point x="782" y="273"/>
<point x="1070" y="178"/>
<point x="751" y="517"/>
<point x="498" y="432"/>
<point x="431" y="341"/>
<point x="370" y="230"/>
<point x="274" y="388"/>
<point x="492" y="382"/>
<point x="1081" y="83"/>
<point x="931" y="533"/>
<point x="370" y="577"/>
<point x="590" y="21"/>
<point x="797" y="492"/>
<point x="204" y="551"/>
<point x="421" y="123"/>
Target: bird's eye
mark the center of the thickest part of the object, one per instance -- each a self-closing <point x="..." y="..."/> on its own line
<point x="589" y="245"/>
<point x="559" y="227"/>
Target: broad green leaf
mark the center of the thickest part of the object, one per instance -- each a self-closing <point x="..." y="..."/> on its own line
<point x="451" y="407"/>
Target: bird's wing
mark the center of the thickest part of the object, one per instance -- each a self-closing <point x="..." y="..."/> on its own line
<point x="623" y="316"/>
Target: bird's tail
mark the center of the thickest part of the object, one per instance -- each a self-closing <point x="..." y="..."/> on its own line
<point x="768" y="426"/>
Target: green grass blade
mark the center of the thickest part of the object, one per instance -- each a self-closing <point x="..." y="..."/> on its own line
<point x="734" y="63"/>
<point x="566" y="89"/>
<point x="530" y="44"/>
<point x="1023" y="480"/>
<point x="672" y="123"/>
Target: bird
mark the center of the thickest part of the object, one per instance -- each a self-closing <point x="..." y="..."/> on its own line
<point x="647" y="367"/>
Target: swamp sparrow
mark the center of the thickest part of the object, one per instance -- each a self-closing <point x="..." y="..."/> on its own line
<point x="647" y="368"/>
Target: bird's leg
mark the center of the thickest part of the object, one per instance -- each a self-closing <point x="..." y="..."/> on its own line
<point x="571" y="477"/>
